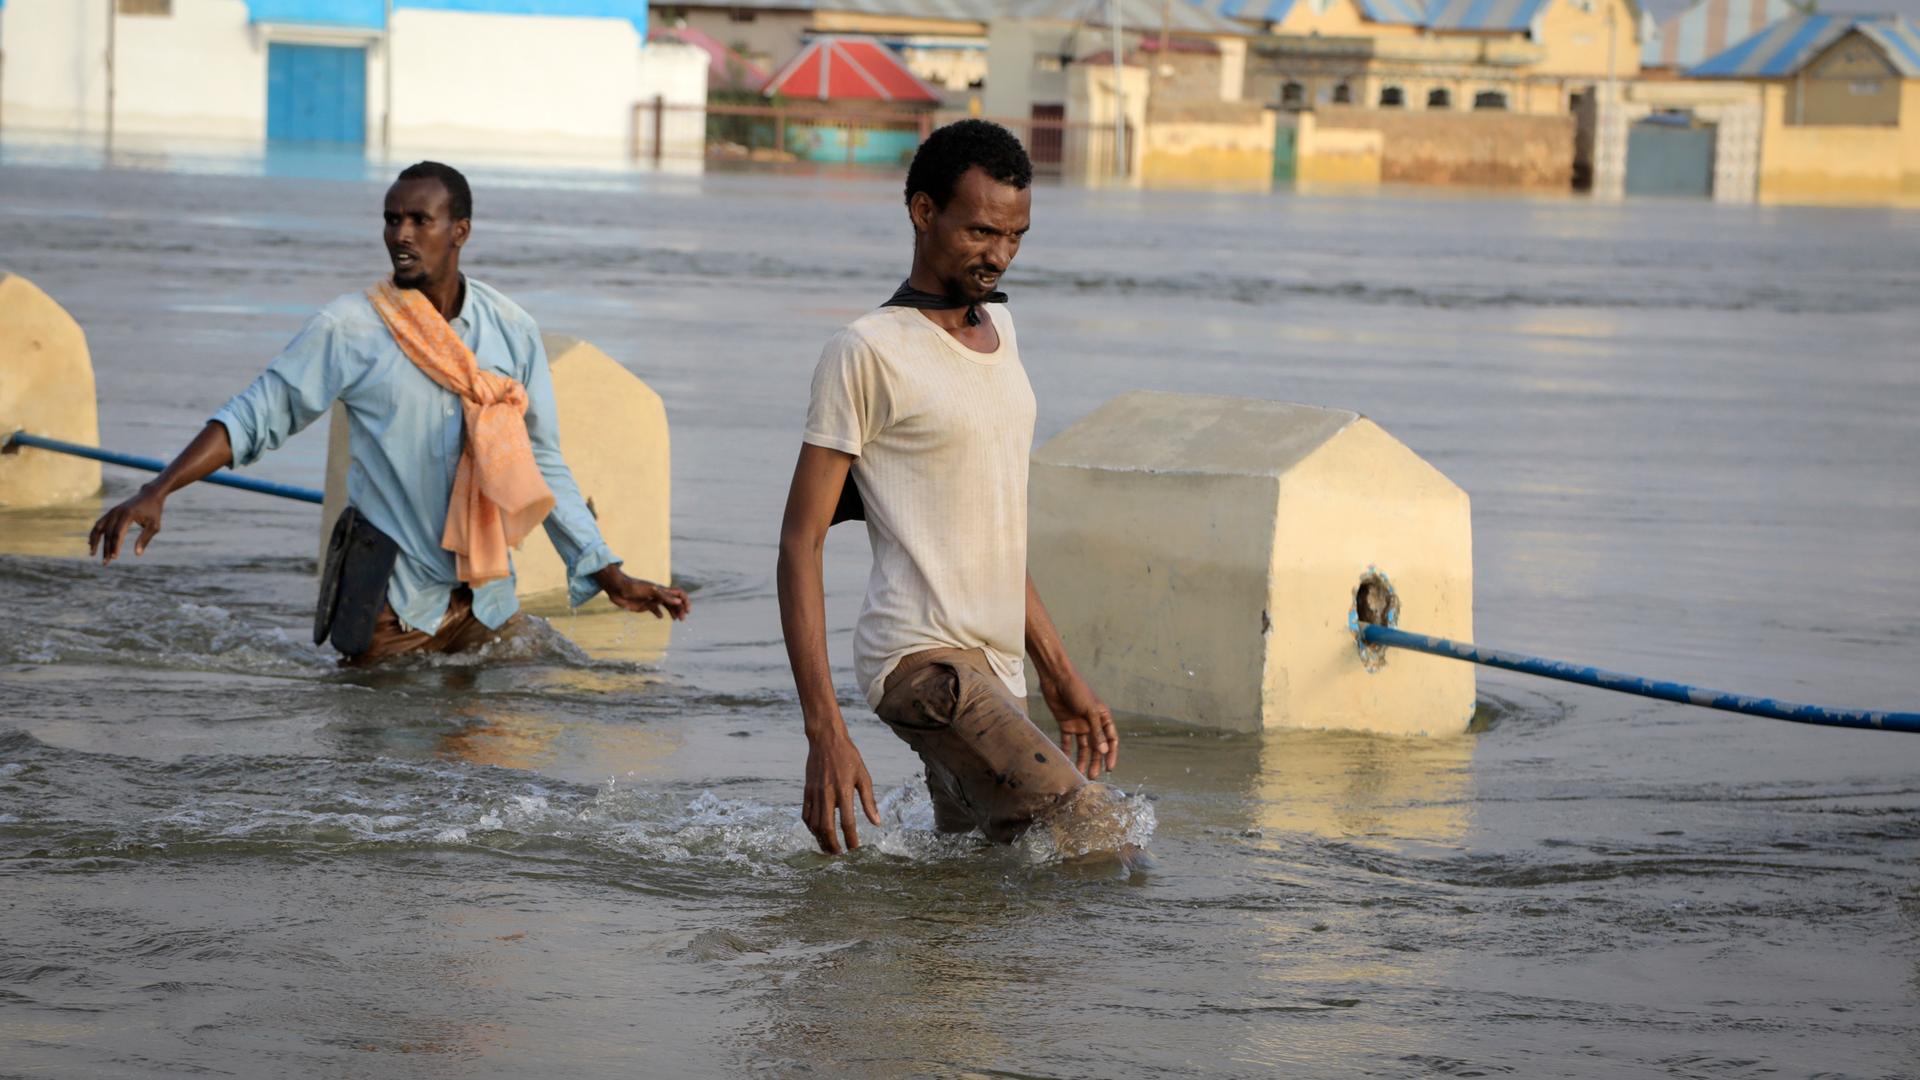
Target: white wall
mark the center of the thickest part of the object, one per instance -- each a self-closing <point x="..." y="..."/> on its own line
<point x="196" y="72"/>
<point x="677" y="73"/>
<point x="462" y="81"/>
<point x="540" y="83"/>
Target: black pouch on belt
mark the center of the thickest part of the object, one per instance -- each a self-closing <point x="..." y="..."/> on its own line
<point x="353" y="583"/>
<point x="851" y="506"/>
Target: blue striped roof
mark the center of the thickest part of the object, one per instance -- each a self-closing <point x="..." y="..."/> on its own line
<point x="1406" y="12"/>
<point x="1261" y="11"/>
<point x="1782" y="49"/>
<point x="1901" y="38"/>
<point x="1689" y="36"/>
<point x="1483" y="14"/>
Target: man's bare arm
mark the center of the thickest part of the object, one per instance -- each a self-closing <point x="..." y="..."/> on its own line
<point x="209" y="452"/>
<point x="1087" y="732"/>
<point x="837" y="779"/>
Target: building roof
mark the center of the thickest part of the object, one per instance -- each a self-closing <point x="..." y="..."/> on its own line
<point x="726" y="69"/>
<point x="1482" y="14"/>
<point x="1684" y="38"/>
<point x="1260" y="11"/>
<point x="1395" y="12"/>
<point x="1464" y="15"/>
<point x="371" y="14"/>
<point x="1782" y="49"/>
<point x="1145" y="16"/>
<point x="850" y="69"/>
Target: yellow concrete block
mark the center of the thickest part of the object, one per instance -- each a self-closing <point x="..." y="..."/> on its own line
<point x="46" y="388"/>
<point x="1202" y="555"/>
<point x="613" y="431"/>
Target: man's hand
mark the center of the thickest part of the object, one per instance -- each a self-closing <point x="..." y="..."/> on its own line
<point x="143" y="509"/>
<point x="1087" y="733"/>
<point x="837" y="780"/>
<point x="636" y="595"/>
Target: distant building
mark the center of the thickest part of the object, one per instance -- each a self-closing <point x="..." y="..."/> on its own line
<point x="1529" y="56"/>
<point x="516" y="75"/>
<point x="942" y="41"/>
<point x="1032" y="44"/>
<point x="869" y="108"/>
<point x="1688" y="37"/>
<point x="1841" y="105"/>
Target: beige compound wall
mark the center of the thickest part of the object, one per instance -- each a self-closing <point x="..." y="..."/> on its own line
<point x="1481" y="148"/>
<point x="1208" y="145"/>
<point x="1839" y="162"/>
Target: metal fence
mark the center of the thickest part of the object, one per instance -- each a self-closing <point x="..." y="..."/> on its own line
<point x="792" y="132"/>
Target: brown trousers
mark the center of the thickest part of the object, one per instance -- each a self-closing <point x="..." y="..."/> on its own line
<point x="459" y="631"/>
<point x="988" y="767"/>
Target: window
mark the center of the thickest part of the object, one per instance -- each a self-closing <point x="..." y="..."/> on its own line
<point x="1343" y="94"/>
<point x="1391" y="97"/>
<point x="1439" y="98"/>
<point x="1490" y="99"/>
<point x="1853" y="101"/>
<point x="742" y="15"/>
<point x="1292" y="95"/>
<point x="144" y="7"/>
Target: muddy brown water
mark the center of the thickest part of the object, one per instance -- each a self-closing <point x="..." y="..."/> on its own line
<point x="1689" y="433"/>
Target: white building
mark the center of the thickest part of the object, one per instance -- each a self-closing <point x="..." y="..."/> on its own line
<point x="545" y="76"/>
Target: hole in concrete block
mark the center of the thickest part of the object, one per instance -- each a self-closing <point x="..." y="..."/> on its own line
<point x="1375" y="602"/>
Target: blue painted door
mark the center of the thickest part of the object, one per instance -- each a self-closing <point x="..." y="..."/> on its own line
<point x="1670" y="158"/>
<point x="316" y="93"/>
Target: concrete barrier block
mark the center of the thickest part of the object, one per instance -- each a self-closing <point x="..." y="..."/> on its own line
<point x="46" y="388"/>
<point x="613" y="431"/>
<point x="1202" y="557"/>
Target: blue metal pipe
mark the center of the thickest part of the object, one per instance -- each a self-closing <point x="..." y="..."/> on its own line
<point x="225" y="477"/>
<point x="1633" y="684"/>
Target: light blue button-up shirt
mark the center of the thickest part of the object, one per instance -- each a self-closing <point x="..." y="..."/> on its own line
<point x="404" y="431"/>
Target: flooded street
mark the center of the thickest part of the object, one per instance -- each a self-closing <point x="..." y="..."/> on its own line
<point x="1689" y="433"/>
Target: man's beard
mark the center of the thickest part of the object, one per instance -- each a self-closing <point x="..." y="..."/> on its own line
<point x="963" y="290"/>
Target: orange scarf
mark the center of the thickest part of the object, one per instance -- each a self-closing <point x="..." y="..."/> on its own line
<point x="499" y="495"/>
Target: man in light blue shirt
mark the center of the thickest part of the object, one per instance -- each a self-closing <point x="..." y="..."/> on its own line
<point x="405" y="433"/>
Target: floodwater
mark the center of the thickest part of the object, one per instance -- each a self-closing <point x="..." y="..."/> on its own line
<point x="1689" y="433"/>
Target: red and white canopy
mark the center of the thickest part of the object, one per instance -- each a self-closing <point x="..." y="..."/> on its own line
<point x="850" y="69"/>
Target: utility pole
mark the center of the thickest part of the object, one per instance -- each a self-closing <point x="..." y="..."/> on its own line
<point x="1612" y="42"/>
<point x="113" y="21"/>
<point x="1119" y="98"/>
<point x="386" y="88"/>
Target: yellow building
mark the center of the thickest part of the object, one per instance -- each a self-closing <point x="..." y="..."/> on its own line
<point x="1528" y="56"/>
<point x="1841" y="106"/>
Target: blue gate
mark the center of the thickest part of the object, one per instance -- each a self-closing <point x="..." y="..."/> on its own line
<point x="316" y="93"/>
<point x="1668" y="157"/>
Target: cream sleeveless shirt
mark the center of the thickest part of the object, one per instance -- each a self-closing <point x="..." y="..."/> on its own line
<point x="941" y="434"/>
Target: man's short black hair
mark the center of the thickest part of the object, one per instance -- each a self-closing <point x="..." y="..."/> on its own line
<point x="951" y="151"/>
<point x="459" y="195"/>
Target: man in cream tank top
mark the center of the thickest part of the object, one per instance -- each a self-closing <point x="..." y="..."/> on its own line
<point x="921" y="419"/>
